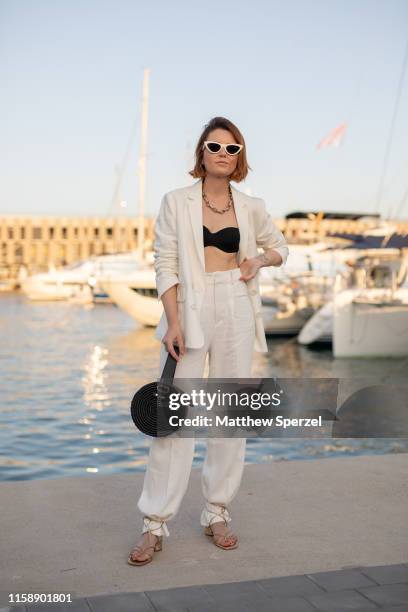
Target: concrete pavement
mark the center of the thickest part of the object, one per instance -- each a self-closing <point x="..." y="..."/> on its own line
<point x="72" y="535"/>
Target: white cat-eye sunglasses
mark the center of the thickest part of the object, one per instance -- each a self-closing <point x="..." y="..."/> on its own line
<point x="215" y="147"/>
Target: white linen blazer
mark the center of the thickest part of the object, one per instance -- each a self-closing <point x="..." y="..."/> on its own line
<point x="179" y="255"/>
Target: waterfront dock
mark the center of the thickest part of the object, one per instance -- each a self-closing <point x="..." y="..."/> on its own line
<point x="73" y="535"/>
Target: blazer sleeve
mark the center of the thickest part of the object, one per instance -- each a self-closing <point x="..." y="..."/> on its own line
<point x="165" y="252"/>
<point x="268" y="235"/>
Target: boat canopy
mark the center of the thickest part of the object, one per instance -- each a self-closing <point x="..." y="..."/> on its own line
<point x="305" y="214"/>
<point x="367" y="241"/>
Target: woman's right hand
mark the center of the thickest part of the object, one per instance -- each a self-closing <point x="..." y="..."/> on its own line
<point x="173" y="336"/>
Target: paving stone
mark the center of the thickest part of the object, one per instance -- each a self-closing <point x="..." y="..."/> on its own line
<point x="177" y="609"/>
<point x="249" y="596"/>
<point x="204" y="607"/>
<point x="120" y="602"/>
<point x="278" y="604"/>
<point x="340" y="601"/>
<point x="388" y="594"/>
<point x="290" y="585"/>
<point x="289" y="604"/>
<point x="180" y="597"/>
<point x="362" y="589"/>
<point x="341" y="579"/>
<point x="231" y="606"/>
<point x="387" y="574"/>
<point x="237" y="591"/>
<point x="386" y="609"/>
<point x="76" y="605"/>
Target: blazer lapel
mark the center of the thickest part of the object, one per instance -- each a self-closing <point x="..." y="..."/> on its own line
<point x="195" y="210"/>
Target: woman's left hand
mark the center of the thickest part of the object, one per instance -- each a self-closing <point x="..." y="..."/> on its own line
<point x="249" y="268"/>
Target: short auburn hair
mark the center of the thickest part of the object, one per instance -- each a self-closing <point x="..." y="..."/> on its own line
<point x="242" y="168"/>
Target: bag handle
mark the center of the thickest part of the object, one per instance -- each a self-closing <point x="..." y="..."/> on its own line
<point x="170" y="365"/>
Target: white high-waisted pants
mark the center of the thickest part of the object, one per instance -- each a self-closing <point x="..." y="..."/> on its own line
<point x="228" y="325"/>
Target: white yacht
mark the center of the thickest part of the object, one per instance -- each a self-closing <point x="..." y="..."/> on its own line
<point x="290" y="295"/>
<point x="289" y="298"/>
<point x="80" y="281"/>
<point x="136" y="294"/>
<point x="371" y="323"/>
<point x="371" y="298"/>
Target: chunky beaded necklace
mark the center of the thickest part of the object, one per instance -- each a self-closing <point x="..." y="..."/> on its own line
<point x="214" y="208"/>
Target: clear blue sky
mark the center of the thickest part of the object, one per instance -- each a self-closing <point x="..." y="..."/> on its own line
<point x="285" y="72"/>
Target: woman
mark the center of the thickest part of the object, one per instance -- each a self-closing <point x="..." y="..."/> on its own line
<point x="210" y="293"/>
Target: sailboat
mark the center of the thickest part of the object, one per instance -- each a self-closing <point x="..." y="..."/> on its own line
<point x="369" y="316"/>
<point x="377" y="279"/>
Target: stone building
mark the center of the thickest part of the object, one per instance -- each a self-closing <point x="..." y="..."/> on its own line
<point x="38" y="241"/>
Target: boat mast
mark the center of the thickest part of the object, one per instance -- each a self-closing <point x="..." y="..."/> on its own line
<point x="142" y="163"/>
<point x="391" y="131"/>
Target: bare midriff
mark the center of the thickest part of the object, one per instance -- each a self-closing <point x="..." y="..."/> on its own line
<point x="217" y="260"/>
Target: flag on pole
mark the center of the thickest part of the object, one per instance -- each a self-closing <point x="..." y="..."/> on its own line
<point x="334" y="138"/>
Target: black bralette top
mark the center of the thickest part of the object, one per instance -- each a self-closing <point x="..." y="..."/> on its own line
<point x="226" y="239"/>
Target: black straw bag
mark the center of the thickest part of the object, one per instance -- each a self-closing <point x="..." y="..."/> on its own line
<point x="150" y="404"/>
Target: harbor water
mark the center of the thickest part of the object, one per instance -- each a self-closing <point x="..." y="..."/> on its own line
<point x="69" y="372"/>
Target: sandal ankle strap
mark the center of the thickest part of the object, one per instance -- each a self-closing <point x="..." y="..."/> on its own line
<point x="212" y="521"/>
<point x="224" y="515"/>
<point x="148" y="519"/>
